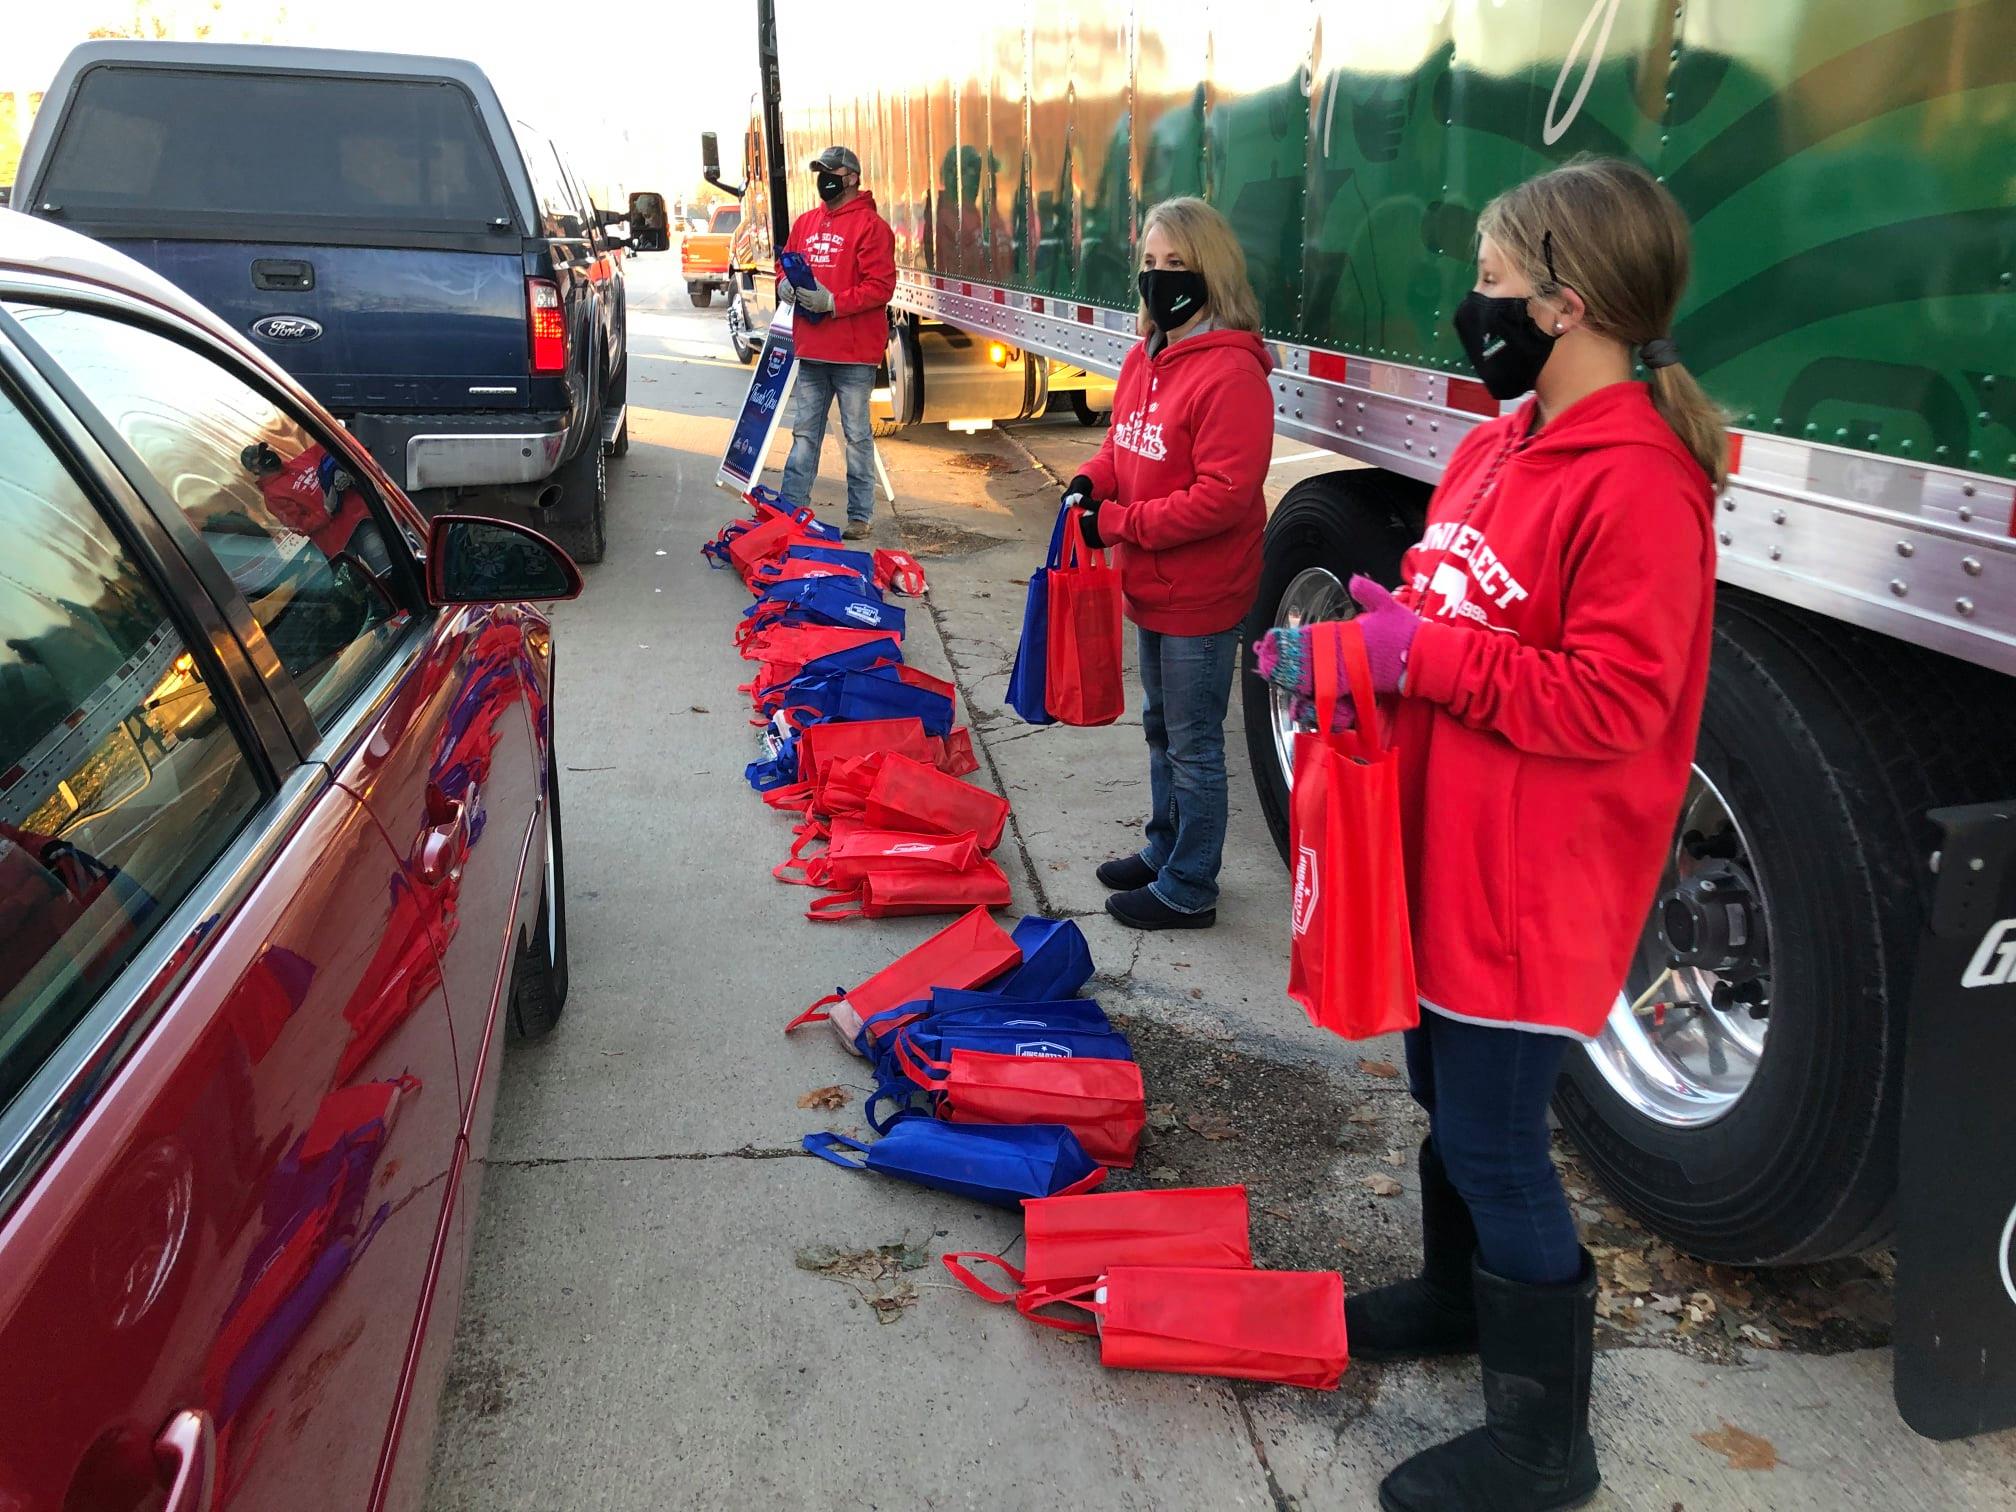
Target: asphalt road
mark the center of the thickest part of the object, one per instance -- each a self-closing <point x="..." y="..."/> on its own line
<point x="642" y="1329"/>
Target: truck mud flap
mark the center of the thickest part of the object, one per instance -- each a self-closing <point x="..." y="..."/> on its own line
<point x="1955" y="1333"/>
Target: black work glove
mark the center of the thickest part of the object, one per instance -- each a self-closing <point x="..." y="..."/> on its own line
<point x="1078" y="496"/>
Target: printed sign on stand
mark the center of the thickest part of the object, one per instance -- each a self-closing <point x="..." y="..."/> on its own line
<point x="762" y="406"/>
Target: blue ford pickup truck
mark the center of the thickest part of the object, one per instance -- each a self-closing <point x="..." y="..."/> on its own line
<point x="429" y="268"/>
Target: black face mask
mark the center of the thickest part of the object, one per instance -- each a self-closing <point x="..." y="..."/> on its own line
<point x="1174" y="296"/>
<point x="831" y="187"/>
<point x="1504" y="345"/>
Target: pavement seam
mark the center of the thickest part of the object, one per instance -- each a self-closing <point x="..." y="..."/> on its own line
<point x="1282" y="1501"/>
<point x="746" y="1152"/>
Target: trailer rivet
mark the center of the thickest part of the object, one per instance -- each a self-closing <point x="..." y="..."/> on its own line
<point x="1905" y="549"/>
<point x="1361" y="406"/>
<point x="1410" y="443"/>
<point x="1966" y="513"/>
<point x="1971" y="566"/>
<point x="1975" y="863"/>
<point x="1298" y="414"/>
<point x="1965" y="606"/>
<point x="1434" y="425"/>
<point x="1777" y="517"/>
<point x="1361" y="430"/>
<point x="1728" y="505"/>
<point x="1899" y="587"/>
<point x="1410" y="419"/>
<point x="1725" y="538"/>
<point x="1776" y="553"/>
<point x="1967" y="490"/>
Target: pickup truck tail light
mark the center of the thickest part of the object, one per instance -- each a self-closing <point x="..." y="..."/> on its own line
<point x="548" y="325"/>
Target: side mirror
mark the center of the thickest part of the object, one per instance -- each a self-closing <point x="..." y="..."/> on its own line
<point x="650" y="223"/>
<point x="710" y="154"/>
<point x="472" y="560"/>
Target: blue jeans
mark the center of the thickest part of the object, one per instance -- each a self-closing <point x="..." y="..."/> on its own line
<point x="1486" y="1091"/>
<point x="1186" y="681"/>
<point x="819" y="384"/>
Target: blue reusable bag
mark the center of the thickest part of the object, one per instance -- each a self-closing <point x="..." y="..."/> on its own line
<point x="778" y="769"/>
<point x="1027" y="681"/>
<point x="949" y="1008"/>
<point x="918" y="1051"/>
<point x="826" y="601"/>
<point x="878" y="693"/>
<point x="1056" y="961"/>
<point x="998" y="1164"/>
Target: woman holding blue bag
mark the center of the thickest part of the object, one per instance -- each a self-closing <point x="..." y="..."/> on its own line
<point x="1175" y="491"/>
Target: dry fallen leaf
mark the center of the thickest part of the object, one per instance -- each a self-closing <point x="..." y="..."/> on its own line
<point x="1349" y="1246"/>
<point x="889" y="1305"/>
<point x="1162" y="1117"/>
<point x="1396" y="1159"/>
<point x="1631" y="1273"/>
<point x="1362" y="1116"/>
<point x="1163" y="1175"/>
<point x="699" y="709"/>
<point x="1197" y="992"/>
<point x="1282" y="1213"/>
<point x="1745" y="1451"/>
<point x="1382" y="1069"/>
<point x="828" y="1098"/>
<point x="1625" y="1317"/>
<point x="1763" y="1338"/>
<point x="1665" y="1305"/>
<point x="1211" y="1126"/>
<point x="1382" y="1185"/>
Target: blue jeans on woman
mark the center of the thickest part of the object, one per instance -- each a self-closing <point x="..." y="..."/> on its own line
<point x="818" y="385"/>
<point x="1186" y="681"/>
<point x="1486" y="1090"/>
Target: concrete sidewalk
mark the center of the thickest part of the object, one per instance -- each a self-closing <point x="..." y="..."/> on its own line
<point x="641" y="1329"/>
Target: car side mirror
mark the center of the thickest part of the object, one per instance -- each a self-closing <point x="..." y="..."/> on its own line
<point x="472" y="560"/>
<point x="650" y="223"/>
<point x="710" y="153"/>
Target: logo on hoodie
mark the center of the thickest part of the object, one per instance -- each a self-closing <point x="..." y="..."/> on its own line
<point x="1468" y="566"/>
<point x="1141" y="436"/>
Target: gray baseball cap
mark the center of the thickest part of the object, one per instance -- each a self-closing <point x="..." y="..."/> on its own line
<point x="833" y="159"/>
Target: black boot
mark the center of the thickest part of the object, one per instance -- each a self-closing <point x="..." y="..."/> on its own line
<point x="1534" y="1453"/>
<point x="1435" y="1312"/>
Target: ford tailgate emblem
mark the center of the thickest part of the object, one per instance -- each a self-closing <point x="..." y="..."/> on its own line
<point x="287" y="328"/>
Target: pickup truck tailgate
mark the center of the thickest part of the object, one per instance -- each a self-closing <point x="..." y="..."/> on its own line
<point x="368" y="328"/>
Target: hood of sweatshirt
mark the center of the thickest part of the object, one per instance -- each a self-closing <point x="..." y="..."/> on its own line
<point x="1218" y="343"/>
<point x="1620" y="414"/>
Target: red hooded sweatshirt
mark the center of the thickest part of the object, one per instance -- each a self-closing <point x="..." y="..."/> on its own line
<point x="852" y="252"/>
<point x="1192" y="433"/>
<point x="1567" y="580"/>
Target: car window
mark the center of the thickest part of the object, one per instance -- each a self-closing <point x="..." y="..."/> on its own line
<point x="292" y="525"/>
<point x="218" y="145"/>
<point x="120" y="782"/>
<point x="557" y="210"/>
<point x="728" y="218"/>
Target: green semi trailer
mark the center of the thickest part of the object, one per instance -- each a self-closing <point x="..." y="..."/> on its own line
<point x="1849" y="166"/>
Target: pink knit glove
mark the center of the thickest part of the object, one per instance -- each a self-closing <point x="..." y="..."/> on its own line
<point x="1388" y="626"/>
<point x="1282" y="657"/>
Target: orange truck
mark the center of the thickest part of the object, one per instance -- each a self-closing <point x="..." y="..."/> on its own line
<point x="703" y="256"/>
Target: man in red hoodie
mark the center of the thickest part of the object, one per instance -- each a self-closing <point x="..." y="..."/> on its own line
<point x="841" y="331"/>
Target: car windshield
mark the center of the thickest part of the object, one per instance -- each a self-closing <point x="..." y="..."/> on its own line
<point x="212" y="145"/>
<point x="728" y="219"/>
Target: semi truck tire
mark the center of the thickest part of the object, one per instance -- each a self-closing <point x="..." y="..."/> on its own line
<point x="1773" y="1139"/>
<point x="1326" y="530"/>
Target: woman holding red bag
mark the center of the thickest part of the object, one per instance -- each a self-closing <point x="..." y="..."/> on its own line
<point x="1175" y="491"/>
<point x="1550" y="647"/>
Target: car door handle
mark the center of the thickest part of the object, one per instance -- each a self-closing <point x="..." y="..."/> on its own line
<point x="186" y="1453"/>
<point x="444" y="845"/>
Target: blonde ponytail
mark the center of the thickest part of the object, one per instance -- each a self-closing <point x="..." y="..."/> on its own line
<point x="1699" y="422"/>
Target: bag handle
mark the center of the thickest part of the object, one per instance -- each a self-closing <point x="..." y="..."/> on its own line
<point x="817" y="1014"/>
<point x="916" y="1065"/>
<point x="956" y="1263"/>
<point x="1083" y="1184"/>
<point x="822" y="1146"/>
<point x="829" y="909"/>
<point x="1080" y="1295"/>
<point x="900" y="1096"/>
<point x="1348" y="641"/>
<point x="1076" y="553"/>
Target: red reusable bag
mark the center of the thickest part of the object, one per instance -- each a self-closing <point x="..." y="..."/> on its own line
<point x="1101" y="1101"/>
<point x="1351" y="958"/>
<point x="1082" y="677"/>
<point x="761" y="542"/>
<point x="804" y="643"/>
<point x="898" y="570"/>
<point x="859" y="851"/>
<point x="969" y="952"/>
<point x="909" y="795"/>
<point x="1067" y="1242"/>
<point x="1249" y="1325"/>
<point x="888" y="894"/>
<point x="953" y="754"/>
<point x="820" y="745"/>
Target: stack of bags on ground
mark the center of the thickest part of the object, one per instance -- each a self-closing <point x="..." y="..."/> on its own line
<point x="994" y="1079"/>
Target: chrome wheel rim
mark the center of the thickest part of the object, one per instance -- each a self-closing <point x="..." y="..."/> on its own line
<point x="1668" y="1049"/>
<point x="1314" y="596"/>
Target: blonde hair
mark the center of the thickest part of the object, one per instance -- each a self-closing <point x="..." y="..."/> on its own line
<point x="1610" y="231"/>
<point x="1205" y="241"/>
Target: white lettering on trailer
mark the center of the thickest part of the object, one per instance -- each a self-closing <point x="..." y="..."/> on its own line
<point x="1552" y="131"/>
<point x="1995" y="962"/>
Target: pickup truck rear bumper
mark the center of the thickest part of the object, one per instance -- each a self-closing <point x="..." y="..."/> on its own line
<point x="464" y="450"/>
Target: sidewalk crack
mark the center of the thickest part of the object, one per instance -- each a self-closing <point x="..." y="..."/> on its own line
<point x="1283" y="1502"/>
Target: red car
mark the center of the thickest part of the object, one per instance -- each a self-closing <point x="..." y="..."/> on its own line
<point x="279" y="857"/>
